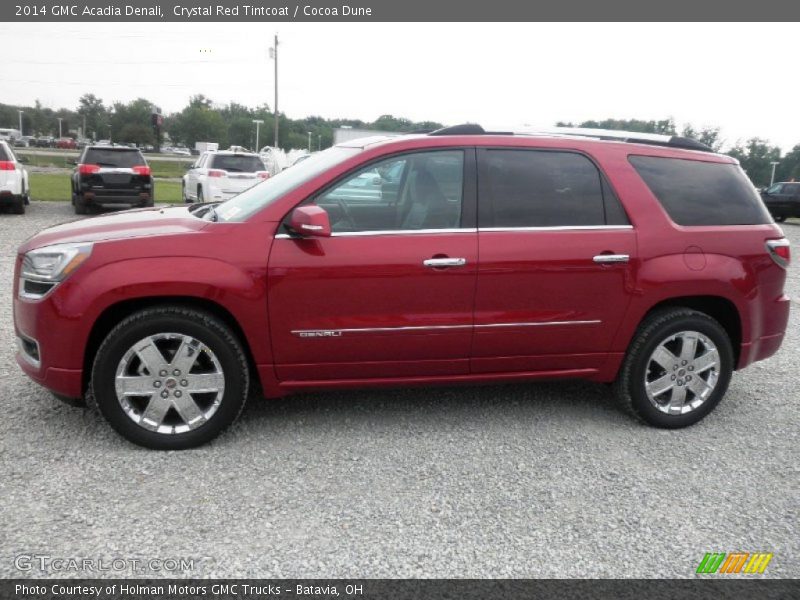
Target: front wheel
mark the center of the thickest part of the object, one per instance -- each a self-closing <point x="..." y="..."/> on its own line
<point x="170" y="378"/>
<point x="677" y="368"/>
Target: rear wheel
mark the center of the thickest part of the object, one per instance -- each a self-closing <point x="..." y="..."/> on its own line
<point x="18" y="205"/>
<point x="80" y="205"/>
<point x="170" y="378"/>
<point x="779" y="218"/>
<point x="677" y="368"/>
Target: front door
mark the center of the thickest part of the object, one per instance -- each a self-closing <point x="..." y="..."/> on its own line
<point x="556" y="253"/>
<point x="390" y="293"/>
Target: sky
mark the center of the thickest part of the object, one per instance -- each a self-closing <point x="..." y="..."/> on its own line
<point x="740" y="77"/>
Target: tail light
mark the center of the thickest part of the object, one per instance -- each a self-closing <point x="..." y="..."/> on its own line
<point x="141" y="170"/>
<point x="216" y="173"/>
<point x="780" y="251"/>
<point x="7" y="165"/>
<point x="263" y="174"/>
<point x="88" y="169"/>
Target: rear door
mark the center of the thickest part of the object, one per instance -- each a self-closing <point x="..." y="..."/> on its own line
<point x="390" y="293"/>
<point x="556" y="259"/>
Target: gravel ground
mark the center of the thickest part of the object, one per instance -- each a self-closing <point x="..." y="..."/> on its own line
<point x="545" y="480"/>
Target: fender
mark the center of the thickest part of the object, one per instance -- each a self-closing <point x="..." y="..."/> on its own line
<point x="667" y="277"/>
<point x="242" y="293"/>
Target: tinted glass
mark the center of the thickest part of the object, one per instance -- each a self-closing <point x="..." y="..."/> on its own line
<point x="249" y="202"/>
<point x="237" y="164"/>
<point x="793" y="189"/>
<point x="3" y="153"/>
<point x="113" y="158"/>
<point x="532" y="188"/>
<point x="408" y="192"/>
<point x="702" y="193"/>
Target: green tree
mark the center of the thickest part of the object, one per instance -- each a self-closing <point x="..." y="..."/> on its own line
<point x="756" y="156"/>
<point x="94" y="113"/>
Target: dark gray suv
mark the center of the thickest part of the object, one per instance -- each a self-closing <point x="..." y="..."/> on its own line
<point x="783" y="200"/>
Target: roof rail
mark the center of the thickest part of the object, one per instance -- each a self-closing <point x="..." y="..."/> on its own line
<point x="635" y="137"/>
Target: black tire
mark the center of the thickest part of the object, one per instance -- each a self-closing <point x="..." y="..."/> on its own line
<point x="201" y="326"/>
<point x="80" y="205"/>
<point x="200" y="195"/>
<point x="18" y="205"/>
<point x="779" y="218"/>
<point x="655" y="329"/>
<point x="186" y="199"/>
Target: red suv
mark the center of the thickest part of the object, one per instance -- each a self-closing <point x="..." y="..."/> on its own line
<point x="454" y="257"/>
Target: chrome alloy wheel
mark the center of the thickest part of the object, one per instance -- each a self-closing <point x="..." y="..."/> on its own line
<point x="682" y="372"/>
<point x="169" y="383"/>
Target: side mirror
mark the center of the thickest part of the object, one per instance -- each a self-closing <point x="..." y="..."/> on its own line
<point x="311" y="220"/>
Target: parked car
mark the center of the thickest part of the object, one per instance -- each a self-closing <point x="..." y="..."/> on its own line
<point x="66" y="144"/>
<point x="25" y="141"/>
<point x="783" y="200"/>
<point x="220" y="175"/>
<point x="181" y="151"/>
<point x="45" y="141"/>
<point x="111" y="176"/>
<point x="650" y="262"/>
<point x="14" y="188"/>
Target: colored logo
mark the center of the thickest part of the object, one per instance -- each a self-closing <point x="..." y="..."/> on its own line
<point x="735" y="562"/>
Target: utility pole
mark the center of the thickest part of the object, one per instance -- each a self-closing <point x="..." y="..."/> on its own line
<point x="772" y="178"/>
<point x="258" y="123"/>
<point x="309" y="142"/>
<point x="21" y="112"/>
<point x="273" y="52"/>
<point x="59" y="126"/>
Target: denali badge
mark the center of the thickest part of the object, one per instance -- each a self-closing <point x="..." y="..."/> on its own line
<point x="320" y="333"/>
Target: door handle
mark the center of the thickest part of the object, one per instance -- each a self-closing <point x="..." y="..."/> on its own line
<point x="444" y="262"/>
<point x="611" y="258"/>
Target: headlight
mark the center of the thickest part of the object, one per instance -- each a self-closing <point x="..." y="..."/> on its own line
<point x="44" y="268"/>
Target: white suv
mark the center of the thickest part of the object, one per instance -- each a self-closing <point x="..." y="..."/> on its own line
<point x="14" y="190"/>
<point x="220" y="175"/>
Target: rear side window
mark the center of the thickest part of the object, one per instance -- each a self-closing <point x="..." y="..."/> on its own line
<point x="534" y="188"/>
<point x="3" y="153"/>
<point x="237" y="164"/>
<point x="702" y="193"/>
<point x="113" y="158"/>
<point x="793" y="189"/>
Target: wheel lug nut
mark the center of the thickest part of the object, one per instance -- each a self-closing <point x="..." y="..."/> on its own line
<point x="674" y="367"/>
<point x="680" y="381"/>
<point x="176" y="372"/>
<point x="673" y="378"/>
<point x="684" y="362"/>
<point x="178" y="393"/>
<point x="688" y="378"/>
<point x="157" y="384"/>
<point x="164" y="394"/>
<point x="163" y="373"/>
<point x="691" y="368"/>
<point x="184" y="383"/>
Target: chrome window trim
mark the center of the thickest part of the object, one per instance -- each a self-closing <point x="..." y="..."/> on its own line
<point x="311" y="333"/>
<point x="286" y="236"/>
<point x="381" y="232"/>
<point x="559" y="228"/>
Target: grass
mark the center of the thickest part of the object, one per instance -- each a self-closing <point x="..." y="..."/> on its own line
<point x="56" y="187"/>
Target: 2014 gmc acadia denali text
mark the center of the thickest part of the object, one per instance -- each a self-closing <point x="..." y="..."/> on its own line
<point x="455" y="257"/>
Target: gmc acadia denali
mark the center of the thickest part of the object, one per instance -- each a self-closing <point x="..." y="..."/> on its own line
<point x="647" y="261"/>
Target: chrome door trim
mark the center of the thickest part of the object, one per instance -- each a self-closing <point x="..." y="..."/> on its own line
<point x="314" y="333"/>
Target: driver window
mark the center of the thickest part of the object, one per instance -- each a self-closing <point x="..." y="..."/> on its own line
<point x="408" y="192"/>
<point x="775" y="189"/>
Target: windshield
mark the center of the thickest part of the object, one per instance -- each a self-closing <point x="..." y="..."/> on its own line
<point x="249" y="202"/>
